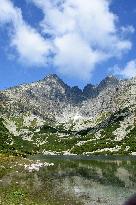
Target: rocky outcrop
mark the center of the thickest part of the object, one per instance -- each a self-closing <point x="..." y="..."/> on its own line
<point x="51" y="98"/>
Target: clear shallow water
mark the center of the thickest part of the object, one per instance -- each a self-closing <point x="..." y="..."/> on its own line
<point x="73" y="180"/>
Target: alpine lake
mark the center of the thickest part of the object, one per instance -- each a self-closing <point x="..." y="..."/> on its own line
<point x="69" y="180"/>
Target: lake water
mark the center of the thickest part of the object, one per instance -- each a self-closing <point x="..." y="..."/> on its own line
<point x="71" y="181"/>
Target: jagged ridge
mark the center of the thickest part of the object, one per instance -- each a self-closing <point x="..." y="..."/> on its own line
<point x="50" y="116"/>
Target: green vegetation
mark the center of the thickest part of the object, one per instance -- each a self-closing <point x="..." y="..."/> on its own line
<point x="13" y="144"/>
<point x="58" y="139"/>
<point x="48" y="185"/>
<point x="130" y="140"/>
<point x="27" y="188"/>
<point x="5" y="137"/>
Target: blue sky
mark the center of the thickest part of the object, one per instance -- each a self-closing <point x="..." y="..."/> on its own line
<point x="82" y="40"/>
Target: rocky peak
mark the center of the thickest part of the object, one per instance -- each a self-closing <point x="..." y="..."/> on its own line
<point x="108" y="82"/>
<point x="76" y="94"/>
<point x="76" y="90"/>
<point x="54" y="80"/>
<point x="52" y="77"/>
<point x="89" y="91"/>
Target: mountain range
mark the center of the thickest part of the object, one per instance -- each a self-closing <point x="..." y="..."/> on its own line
<point x="51" y="117"/>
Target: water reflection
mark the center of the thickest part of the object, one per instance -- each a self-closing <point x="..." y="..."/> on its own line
<point x="96" y="181"/>
<point x="70" y="182"/>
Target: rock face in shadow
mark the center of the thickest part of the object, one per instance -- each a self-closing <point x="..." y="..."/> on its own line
<point x="89" y="91"/>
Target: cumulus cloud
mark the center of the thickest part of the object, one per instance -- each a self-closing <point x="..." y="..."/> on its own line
<point x="75" y="57"/>
<point x="8" y="13"/>
<point x="79" y="33"/>
<point x="32" y="48"/>
<point x="83" y="32"/>
<point x="128" y="71"/>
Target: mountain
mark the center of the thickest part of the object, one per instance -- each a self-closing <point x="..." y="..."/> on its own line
<point x="51" y="97"/>
<point x="49" y="116"/>
<point x="109" y="81"/>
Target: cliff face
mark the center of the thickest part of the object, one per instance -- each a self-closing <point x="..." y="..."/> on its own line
<point x="98" y="115"/>
<point x="51" y="97"/>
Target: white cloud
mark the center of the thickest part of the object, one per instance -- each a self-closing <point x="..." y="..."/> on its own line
<point x="32" y="48"/>
<point x="128" y="71"/>
<point x="84" y="33"/>
<point x="75" y="57"/>
<point x="8" y="13"/>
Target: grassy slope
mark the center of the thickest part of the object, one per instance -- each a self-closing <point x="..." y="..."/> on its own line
<point x="60" y="140"/>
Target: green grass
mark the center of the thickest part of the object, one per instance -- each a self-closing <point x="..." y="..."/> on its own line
<point x="48" y="138"/>
<point x="29" y="188"/>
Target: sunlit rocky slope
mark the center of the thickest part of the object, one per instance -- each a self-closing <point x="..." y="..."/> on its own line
<point x="49" y="116"/>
